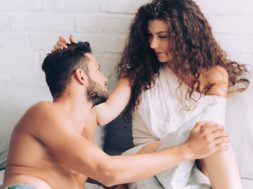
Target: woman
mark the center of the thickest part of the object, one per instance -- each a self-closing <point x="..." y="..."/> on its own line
<point x="171" y="70"/>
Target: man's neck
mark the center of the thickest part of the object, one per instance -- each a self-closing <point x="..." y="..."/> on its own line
<point x="77" y="107"/>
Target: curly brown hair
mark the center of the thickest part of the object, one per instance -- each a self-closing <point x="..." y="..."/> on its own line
<point x="193" y="49"/>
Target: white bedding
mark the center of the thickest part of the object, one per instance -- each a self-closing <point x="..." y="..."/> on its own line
<point x="247" y="184"/>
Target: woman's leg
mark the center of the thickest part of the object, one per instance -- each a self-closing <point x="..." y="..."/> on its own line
<point x="221" y="167"/>
<point x="222" y="170"/>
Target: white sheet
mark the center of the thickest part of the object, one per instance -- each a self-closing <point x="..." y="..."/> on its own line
<point x="161" y="116"/>
<point x="185" y="175"/>
<point x="247" y="184"/>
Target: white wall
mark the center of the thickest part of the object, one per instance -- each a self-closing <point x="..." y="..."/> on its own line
<point x="29" y="28"/>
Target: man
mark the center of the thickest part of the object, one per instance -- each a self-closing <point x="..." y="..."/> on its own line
<point x="52" y="148"/>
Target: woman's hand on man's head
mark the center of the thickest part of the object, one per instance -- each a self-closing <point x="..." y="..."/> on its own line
<point x="62" y="43"/>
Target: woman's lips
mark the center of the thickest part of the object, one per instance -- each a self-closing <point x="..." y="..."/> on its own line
<point x="160" y="53"/>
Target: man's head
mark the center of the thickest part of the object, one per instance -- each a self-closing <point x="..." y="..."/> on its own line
<point x="75" y="62"/>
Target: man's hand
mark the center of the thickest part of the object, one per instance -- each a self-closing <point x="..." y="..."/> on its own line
<point x="205" y="139"/>
<point x="62" y="43"/>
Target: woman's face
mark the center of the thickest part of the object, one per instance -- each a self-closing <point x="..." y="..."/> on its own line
<point x="158" y="31"/>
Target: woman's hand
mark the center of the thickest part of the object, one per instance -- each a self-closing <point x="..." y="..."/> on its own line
<point x="62" y="43"/>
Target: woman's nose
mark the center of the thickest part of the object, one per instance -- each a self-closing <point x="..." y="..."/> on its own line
<point x="154" y="43"/>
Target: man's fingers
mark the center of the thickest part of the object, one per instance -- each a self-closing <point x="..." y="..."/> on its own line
<point x="222" y="140"/>
<point x="71" y="39"/>
<point x="219" y="133"/>
<point x="210" y="127"/>
<point x="198" y="126"/>
<point x="204" y="125"/>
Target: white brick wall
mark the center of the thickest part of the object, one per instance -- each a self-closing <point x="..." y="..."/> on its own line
<point x="29" y="28"/>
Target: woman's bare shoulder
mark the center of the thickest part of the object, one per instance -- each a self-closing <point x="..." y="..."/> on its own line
<point x="215" y="81"/>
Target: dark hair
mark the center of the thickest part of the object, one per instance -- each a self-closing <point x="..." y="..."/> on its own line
<point x="60" y="65"/>
<point x="193" y="48"/>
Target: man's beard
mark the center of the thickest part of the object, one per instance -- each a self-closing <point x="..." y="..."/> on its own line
<point x="95" y="93"/>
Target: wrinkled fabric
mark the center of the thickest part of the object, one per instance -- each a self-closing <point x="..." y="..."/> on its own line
<point x="162" y="116"/>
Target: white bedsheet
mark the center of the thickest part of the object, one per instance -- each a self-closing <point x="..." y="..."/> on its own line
<point x="247" y="184"/>
<point x="185" y="175"/>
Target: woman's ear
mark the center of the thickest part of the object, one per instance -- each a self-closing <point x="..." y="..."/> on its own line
<point x="80" y="76"/>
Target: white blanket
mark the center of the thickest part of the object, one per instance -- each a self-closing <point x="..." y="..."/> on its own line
<point x="162" y="116"/>
<point x="185" y="175"/>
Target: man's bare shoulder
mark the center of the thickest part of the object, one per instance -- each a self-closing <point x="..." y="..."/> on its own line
<point x="40" y="109"/>
<point x="42" y="113"/>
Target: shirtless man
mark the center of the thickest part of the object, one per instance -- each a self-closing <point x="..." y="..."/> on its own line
<point x="50" y="149"/>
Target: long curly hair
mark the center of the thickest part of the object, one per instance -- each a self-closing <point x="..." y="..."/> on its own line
<point x="193" y="49"/>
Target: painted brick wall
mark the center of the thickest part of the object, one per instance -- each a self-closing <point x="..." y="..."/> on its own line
<point x="29" y="28"/>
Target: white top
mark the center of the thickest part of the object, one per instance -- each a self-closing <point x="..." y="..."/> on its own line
<point x="161" y="112"/>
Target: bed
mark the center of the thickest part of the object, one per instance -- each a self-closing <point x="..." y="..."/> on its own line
<point x="118" y="136"/>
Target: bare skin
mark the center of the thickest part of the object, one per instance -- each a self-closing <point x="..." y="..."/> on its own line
<point x="51" y="148"/>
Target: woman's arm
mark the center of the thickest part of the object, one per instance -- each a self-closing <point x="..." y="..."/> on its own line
<point x="115" y="104"/>
<point x="221" y="167"/>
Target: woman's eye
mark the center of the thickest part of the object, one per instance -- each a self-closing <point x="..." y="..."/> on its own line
<point x="163" y="36"/>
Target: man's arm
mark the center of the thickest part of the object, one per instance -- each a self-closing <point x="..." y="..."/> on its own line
<point x="57" y="132"/>
<point x="115" y="104"/>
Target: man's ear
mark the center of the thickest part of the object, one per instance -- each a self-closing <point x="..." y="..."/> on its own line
<point x="80" y="76"/>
